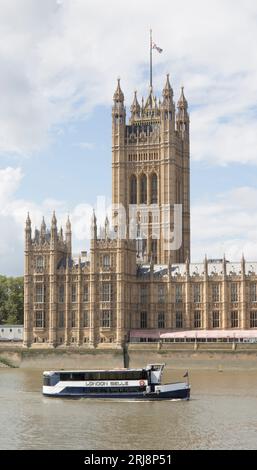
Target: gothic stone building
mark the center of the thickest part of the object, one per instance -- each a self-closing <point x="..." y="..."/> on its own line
<point x="139" y="283"/>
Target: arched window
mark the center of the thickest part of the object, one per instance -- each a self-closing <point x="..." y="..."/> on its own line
<point x="154" y="189"/>
<point x="143" y="190"/>
<point x="133" y="190"/>
<point x="39" y="262"/>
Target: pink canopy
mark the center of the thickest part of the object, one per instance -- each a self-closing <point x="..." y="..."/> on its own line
<point x="184" y="334"/>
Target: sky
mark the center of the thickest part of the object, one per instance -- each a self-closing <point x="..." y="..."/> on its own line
<point x="59" y="62"/>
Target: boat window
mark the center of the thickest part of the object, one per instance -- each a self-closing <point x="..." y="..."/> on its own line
<point x="105" y="375"/>
<point x="74" y="376"/>
<point x="51" y="380"/>
<point x="47" y="380"/>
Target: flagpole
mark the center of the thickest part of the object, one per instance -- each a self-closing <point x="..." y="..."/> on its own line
<point x="151" y="63"/>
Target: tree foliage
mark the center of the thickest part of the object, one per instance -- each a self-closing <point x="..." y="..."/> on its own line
<point x="11" y="300"/>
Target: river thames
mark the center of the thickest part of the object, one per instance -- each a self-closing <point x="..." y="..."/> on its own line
<point x="222" y="414"/>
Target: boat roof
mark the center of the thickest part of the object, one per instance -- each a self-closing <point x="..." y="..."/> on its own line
<point x="102" y="370"/>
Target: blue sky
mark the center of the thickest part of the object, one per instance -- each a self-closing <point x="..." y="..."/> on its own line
<point x="59" y="62"/>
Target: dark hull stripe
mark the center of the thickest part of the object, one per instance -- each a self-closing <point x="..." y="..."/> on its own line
<point x="179" y="394"/>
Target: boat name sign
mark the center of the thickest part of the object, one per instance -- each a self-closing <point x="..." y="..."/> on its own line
<point x="106" y="383"/>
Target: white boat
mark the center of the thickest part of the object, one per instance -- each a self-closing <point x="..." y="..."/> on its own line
<point x="114" y="383"/>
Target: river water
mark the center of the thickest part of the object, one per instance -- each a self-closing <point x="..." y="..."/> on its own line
<point x="222" y="414"/>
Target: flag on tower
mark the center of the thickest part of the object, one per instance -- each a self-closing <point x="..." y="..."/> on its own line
<point x="154" y="46"/>
<point x="186" y="374"/>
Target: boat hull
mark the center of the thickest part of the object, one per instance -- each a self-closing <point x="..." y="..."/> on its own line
<point x="179" y="394"/>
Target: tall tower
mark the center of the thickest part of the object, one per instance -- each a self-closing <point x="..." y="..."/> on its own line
<point x="150" y="170"/>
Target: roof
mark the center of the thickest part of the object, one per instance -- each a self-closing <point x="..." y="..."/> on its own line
<point x="90" y="370"/>
<point x="215" y="266"/>
<point x="11" y="326"/>
<point x="184" y="334"/>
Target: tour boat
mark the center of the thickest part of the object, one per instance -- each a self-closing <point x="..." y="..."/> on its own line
<point x="115" y="383"/>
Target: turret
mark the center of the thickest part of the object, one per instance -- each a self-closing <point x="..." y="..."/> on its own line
<point x="28" y="231"/>
<point x="167" y="107"/>
<point x="54" y="221"/>
<point x="135" y="108"/>
<point x="118" y="109"/>
<point x="43" y="230"/>
<point x="167" y="92"/>
<point x="61" y="234"/>
<point x="150" y="109"/>
<point x="118" y="124"/>
<point x="107" y="228"/>
<point x="182" y="115"/>
<point x="68" y="236"/>
<point x="54" y="229"/>
<point x="224" y="263"/>
<point x="93" y="227"/>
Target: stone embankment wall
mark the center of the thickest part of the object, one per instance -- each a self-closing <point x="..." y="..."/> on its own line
<point x="175" y="356"/>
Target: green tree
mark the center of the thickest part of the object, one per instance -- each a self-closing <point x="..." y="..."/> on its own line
<point x="11" y="300"/>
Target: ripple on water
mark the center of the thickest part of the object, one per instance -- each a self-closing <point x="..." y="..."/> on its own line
<point x="222" y="414"/>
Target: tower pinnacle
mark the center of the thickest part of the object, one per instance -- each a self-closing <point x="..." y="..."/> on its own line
<point x="182" y="102"/>
<point x="54" y="220"/>
<point x="28" y="221"/>
<point x="118" y="94"/>
<point x="167" y="91"/>
<point x="135" y="107"/>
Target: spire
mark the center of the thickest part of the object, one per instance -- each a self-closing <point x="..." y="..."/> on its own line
<point x="68" y="225"/>
<point x="28" y="230"/>
<point x="150" y="100"/>
<point x="118" y="113"/>
<point x="43" y="226"/>
<point x="36" y="235"/>
<point x="107" y="228"/>
<point x="182" y="102"/>
<point x="68" y="235"/>
<point x="118" y="95"/>
<point x="54" y="236"/>
<point x="224" y="262"/>
<point x="167" y="91"/>
<point x="150" y="108"/>
<point x="28" y="222"/>
<point x="243" y="264"/>
<point x="54" y="220"/>
<point x="93" y="227"/>
<point x="61" y="234"/>
<point x="135" y="107"/>
<point x="182" y="117"/>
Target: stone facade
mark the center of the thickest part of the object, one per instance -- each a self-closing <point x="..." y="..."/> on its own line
<point x="150" y="170"/>
<point x="134" y="282"/>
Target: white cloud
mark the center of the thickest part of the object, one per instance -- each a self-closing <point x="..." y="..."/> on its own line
<point x="13" y="212"/>
<point x="85" y="145"/>
<point x="59" y="59"/>
<point x="226" y="225"/>
<point x="12" y="218"/>
<point x="10" y="179"/>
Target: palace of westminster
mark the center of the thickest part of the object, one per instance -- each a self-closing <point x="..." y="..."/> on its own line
<point x="131" y="285"/>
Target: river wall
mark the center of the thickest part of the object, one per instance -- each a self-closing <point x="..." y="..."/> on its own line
<point x="176" y="356"/>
